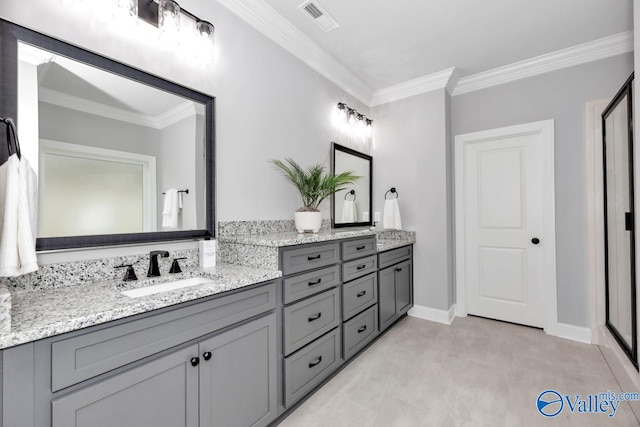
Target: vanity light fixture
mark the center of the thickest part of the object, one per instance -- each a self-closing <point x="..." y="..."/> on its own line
<point x="169" y="22"/>
<point x="351" y="121"/>
<point x="178" y="26"/>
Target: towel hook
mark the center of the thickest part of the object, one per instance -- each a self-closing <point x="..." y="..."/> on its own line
<point x="392" y="190"/>
<point x="353" y="193"/>
<point x="12" y="136"/>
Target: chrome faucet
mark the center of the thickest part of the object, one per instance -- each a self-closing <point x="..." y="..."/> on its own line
<point x="154" y="270"/>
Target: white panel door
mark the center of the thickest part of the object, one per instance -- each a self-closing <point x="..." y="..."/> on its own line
<point x="503" y="226"/>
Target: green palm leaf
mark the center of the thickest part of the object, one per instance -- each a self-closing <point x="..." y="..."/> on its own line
<point x="313" y="183"/>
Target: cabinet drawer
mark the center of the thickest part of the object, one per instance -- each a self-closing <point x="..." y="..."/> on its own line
<point x="309" y="257"/>
<point x="359" y="294"/>
<point x="309" y="319"/>
<point x="358" y="248"/>
<point x="88" y="355"/>
<point x="358" y="268"/>
<point x="359" y="331"/>
<point x="307" y="284"/>
<point x="308" y="367"/>
<point x="394" y="256"/>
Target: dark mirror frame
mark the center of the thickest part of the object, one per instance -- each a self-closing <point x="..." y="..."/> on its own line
<point x="337" y="147"/>
<point x="10" y="34"/>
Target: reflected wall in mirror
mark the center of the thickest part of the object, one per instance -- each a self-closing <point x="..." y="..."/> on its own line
<point x="107" y="142"/>
<point x="352" y="206"/>
<point x="619" y="221"/>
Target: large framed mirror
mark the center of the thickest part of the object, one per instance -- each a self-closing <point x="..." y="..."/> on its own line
<point x="122" y="156"/>
<point x="352" y="206"/>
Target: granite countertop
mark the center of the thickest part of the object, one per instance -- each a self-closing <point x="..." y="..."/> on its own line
<point x="45" y="313"/>
<point x="293" y="238"/>
<point x="388" y="244"/>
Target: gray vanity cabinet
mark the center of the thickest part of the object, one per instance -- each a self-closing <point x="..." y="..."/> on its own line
<point x="228" y="380"/>
<point x="359" y="295"/>
<point x="160" y="393"/>
<point x="238" y="376"/>
<point x="395" y="285"/>
<point x="209" y="362"/>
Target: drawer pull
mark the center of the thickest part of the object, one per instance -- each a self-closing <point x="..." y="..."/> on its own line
<point x="360" y="267"/>
<point x="195" y="361"/>
<point x="362" y="329"/>
<point x="315" y="362"/>
<point x="398" y="270"/>
<point x="313" y="258"/>
<point x="359" y="248"/>
<point x="316" y="317"/>
<point x="207" y="355"/>
<point x="361" y="294"/>
<point x="317" y="282"/>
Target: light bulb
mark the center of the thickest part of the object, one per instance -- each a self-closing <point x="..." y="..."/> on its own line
<point x="203" y="43"/>
<point x="169" y="23"/>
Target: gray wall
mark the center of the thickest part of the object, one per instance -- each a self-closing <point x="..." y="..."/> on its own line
<point x="559" y="95"/>
<point x="411" y="153"/>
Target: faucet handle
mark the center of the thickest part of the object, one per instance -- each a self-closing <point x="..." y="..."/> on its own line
<point x="175" y="266"/>
<point x="130" y="274"/>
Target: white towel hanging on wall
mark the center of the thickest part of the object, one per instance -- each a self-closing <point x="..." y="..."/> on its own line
<point x="391" y="219"/>
<point x="17" y="218"/>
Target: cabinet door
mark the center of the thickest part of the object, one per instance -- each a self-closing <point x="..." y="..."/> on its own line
<point x="386" y="297"/>
<point x="160" y="393"/>
<point x="238" y="381"/>
<point x="403" y="287"/>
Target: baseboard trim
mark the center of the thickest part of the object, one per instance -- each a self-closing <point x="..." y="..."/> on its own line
<point x="574" y="333"/>
<point x="433" y="314"/>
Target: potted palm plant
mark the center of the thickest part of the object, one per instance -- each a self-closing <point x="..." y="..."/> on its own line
<point x="314" y="185"/>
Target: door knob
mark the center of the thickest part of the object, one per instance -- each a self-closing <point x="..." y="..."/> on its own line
<point x="535" y="240"/>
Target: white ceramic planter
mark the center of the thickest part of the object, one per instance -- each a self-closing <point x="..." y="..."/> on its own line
<point x="308" y="221"/>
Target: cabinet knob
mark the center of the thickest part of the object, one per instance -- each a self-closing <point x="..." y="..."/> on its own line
<point x="311" y="258"/>
<point x="315" y="362"/>
<point x="535" y="240"/>
<point x="195" y="361"/>
<point x="359" y="248"/>
<point x="398" y="270"/>
<point x="362" y="329"/>
<point x="206" y="355"/>
<point x="360" y="267"/>
<point x="361" y="294"/>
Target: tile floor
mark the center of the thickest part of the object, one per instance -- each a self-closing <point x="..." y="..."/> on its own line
<point x="476" y="372"/>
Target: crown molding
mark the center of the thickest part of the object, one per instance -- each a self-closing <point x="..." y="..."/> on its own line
<point x="417" y="86"/>
<point x="616" y="44"/>
<point x="270" y="23"/>
<point x="174" y="115"/>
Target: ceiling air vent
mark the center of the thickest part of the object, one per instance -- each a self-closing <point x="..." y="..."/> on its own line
<point x="319" y="15"/>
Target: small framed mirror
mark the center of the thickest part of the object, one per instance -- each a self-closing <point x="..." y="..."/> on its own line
<point x="352" y="206"/>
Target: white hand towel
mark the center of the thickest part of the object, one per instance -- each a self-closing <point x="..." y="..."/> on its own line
<point x="171" y="209"/>
<point x="349" y="212"/>
<point x="17" y="195"/>
<point x="391" y="218"/>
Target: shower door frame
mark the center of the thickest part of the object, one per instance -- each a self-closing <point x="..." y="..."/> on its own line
<point x="630" y="351"/>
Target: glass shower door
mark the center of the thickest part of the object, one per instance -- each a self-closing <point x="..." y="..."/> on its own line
<point x="619" y="221"/>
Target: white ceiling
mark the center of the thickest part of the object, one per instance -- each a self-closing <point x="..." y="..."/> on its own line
<point x="390" y="42"/>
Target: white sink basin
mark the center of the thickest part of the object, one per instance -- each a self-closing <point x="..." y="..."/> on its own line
<point x="166" y="287"/>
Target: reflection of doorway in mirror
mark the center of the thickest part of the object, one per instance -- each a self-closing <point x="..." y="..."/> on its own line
<point x="90" y="191"/>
